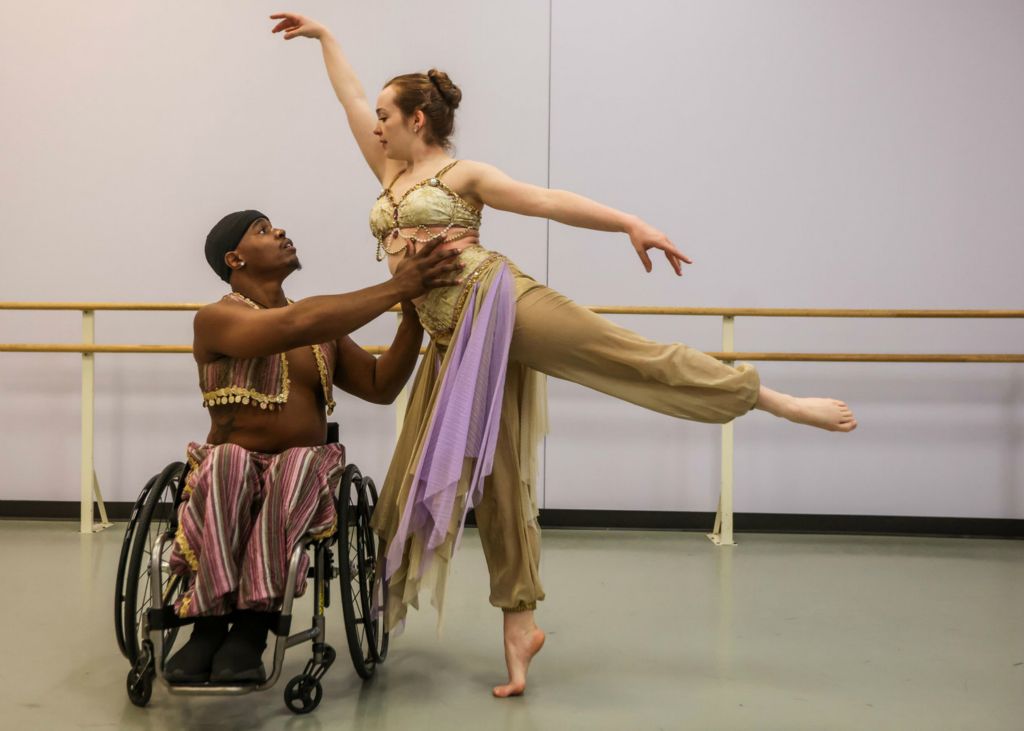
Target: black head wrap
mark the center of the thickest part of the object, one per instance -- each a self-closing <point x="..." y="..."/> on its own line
<point x="225" y="237"/>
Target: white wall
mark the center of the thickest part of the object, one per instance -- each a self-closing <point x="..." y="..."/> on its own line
<point x="130" y="128"/>
<point x="805" y="154"/>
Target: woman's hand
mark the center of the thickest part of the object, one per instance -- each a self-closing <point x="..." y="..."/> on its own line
<point x="295" y="25"/>
<point x="362" y="118"/>
<point x="644" y="236"/>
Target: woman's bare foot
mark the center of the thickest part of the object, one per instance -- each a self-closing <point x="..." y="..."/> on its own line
<point x="523" y="640"/>
<point x="824" y="413"/>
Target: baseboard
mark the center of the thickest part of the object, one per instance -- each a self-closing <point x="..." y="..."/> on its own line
<point x="656" y="520"/>
<point x="787" y="523"/>
<point x="58" y="510"/>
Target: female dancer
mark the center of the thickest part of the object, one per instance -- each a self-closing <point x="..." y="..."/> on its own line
<point x="477" y="404"/>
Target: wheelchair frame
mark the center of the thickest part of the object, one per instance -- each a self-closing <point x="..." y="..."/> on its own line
<point x="355" y="499"/>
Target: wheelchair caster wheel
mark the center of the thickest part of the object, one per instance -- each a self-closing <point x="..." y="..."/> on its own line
<point x="303" y="694"/>
<point x="140" y="687"/>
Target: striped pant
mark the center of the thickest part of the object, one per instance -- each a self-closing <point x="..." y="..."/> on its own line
<point x="241" y="517"/>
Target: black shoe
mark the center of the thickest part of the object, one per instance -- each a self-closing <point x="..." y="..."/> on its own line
<point x="240" y="658"/>
<point x="192" y="663"/>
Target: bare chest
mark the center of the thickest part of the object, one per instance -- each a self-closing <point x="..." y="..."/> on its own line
<point x="304" y="370"/>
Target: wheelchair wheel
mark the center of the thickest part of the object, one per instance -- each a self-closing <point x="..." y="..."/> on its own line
<point x="355" y="551"/>
<point x="140" y="686"/>
<point x="379" y="644"/>
<point x="154" y="518"/>
<point x="122" y="566"/>
<point x="302" y="694"/>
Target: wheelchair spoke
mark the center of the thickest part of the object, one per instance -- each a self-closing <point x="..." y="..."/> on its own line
<point x="158" y="527"/>
<point x="151" y="519"/>
<point x="357" y="570"/>
<point x="172" y="587"/>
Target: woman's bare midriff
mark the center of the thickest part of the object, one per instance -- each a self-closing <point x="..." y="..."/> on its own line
<point x="464" y="241"/>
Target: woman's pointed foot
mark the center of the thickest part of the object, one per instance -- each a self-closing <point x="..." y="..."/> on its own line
<point x="824" y="413"/>
<point x="520" y="647"/>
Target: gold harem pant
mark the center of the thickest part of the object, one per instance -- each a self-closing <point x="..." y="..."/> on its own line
<point x="553" y="336"/>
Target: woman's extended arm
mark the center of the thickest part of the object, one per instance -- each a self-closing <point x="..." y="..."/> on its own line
<point x="361" y="116"/>
<point x="496" y="189"/>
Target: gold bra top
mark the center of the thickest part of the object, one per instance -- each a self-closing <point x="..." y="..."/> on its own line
<point x="262" y="381"/>
<point x="428" y="203"/>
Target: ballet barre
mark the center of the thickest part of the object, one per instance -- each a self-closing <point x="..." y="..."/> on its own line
<point x="722" y="532"/>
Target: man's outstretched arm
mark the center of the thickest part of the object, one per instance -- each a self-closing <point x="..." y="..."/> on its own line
<point x="223" y="329"/>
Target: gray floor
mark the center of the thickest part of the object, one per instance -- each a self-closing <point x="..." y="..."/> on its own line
<point x="646" y="630"/>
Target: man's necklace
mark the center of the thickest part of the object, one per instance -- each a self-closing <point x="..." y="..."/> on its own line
<point x="254" y="305"/>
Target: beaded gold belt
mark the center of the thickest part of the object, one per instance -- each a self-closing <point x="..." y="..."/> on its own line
<point x="441" y="308"/>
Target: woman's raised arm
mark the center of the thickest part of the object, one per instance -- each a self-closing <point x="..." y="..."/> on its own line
<point x="361" y="116"/>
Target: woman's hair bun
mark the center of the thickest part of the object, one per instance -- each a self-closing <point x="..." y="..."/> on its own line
<point x="451" y="94"/>
<point x="434" y="94"/>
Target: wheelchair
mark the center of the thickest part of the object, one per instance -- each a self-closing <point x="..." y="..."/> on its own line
<point x="147" y="626"/>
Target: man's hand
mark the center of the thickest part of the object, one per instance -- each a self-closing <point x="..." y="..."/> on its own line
<point x="427" y="269"/>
